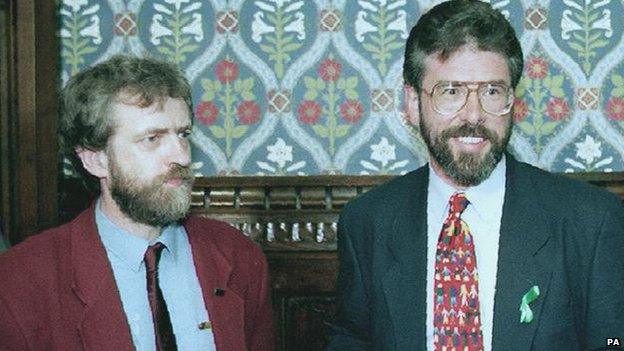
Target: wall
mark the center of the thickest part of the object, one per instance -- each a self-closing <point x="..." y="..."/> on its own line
<point x="314" y="87"/>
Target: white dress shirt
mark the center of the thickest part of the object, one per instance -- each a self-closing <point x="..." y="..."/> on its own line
<point x="483" y="216"/>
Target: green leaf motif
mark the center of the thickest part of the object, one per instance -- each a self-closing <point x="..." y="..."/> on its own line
<point x="320" y="130"/>
<point x="320" y="84"/>
<point x="526" y="127"/>
<point x="351" y="94"/>
<point x="210" y="89"/>
<point x="585" y="24"/>
<point x="351" y="82"/>
<point x="381" y="43"/>
<point x="279" y="43"/>
<point x="619" y="92"/>
<point x="372" y="48"/>
<point x="310" y="94"/>
<point x="618" y="82"/>
<point x="548" y="127"/>
<point x="239" y="131"/>
<point x="341" y="130"/>
<point x="218" y="132"/>
<point x="247" y="84"/>
<point x="521" y="88"/>
<point x="556" y="85"/>
<point x="178" y="42"/>
<point x="76" y="46"/>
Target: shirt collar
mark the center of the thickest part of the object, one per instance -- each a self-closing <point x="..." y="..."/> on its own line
<point x="129" y="248"/>
<point x="490" y="191"/>
<point x="480" y="196"/>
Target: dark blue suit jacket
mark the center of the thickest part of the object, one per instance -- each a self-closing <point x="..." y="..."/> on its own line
<point x="562" y="235"/>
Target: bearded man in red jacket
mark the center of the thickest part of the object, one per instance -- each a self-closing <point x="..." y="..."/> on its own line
<point x="133" y="271"/>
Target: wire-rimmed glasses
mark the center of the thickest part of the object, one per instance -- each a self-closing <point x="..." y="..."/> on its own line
<point x="449" y="97"/>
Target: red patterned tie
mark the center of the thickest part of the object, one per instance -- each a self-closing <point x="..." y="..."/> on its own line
<point x="165" y="339"/>
<point x="456" y="317"/>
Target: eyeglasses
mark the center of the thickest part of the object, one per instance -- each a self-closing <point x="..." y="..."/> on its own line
<point x="450" y="97"/>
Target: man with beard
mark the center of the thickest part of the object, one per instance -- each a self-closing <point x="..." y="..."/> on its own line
<point x="476" y="251"/>
<point x="133" y="271"/>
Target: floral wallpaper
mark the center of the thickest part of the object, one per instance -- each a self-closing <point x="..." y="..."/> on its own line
<point x="293" y="87"/>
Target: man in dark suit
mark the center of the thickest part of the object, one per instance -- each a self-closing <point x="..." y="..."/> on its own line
<point x="476" y="251"/>
<point x="133" y="271"/>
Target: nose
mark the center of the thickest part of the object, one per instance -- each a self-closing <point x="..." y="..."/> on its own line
<point x="180" y="151"/>
<point x="472" y="112"/>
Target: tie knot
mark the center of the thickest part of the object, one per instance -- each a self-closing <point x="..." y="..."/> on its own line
<point x="458" y="203"/>
<point x="152" y="255"/>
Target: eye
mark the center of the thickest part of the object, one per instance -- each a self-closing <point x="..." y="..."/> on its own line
<point x="185" y="133"/>
<point x="449" y="91"/>
<point x="494" y="90"/>
<point x="152" y="138"/>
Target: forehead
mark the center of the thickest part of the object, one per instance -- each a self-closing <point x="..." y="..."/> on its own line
<point x="467" y="64"/>
<point x="129" y="118"/>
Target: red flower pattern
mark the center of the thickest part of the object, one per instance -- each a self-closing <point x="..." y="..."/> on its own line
<point x="248" y="112"/>
<point x="615" y="108"/>
<point x="206" y="112"/>
<point x="329" y="70"/>
<point x="537" y="68"/>
<point x="520" y="110"/>
<point x="351" y="111"/>
<point x="226" y="71"/>
<point x="557" y="109"/>
<point x="308" y="112"/>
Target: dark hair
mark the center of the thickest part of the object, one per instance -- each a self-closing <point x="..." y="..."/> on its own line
<point x="450" y="25"/>
<point x="86" y="99"/>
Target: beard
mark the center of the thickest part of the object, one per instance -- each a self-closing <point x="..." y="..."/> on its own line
<point x="152" y="203"/>
<point x="465" y="169"/>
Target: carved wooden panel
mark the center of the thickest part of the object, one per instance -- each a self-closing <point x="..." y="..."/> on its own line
<point x="281" y="213"/>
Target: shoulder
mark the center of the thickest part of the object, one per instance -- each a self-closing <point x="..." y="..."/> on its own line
<point x="563" y="190"/>
<point x="388" y="197"/>
<point x="37" y="258"/>
<point x="223" y="237"/>
<point x="578" y="207"/>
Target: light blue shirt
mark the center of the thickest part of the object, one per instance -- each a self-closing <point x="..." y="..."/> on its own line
<point x="483" y="217"/>
<point x="177" y="278"/>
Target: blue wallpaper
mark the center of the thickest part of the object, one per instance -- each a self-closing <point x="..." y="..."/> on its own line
<point x="315" y="87"/>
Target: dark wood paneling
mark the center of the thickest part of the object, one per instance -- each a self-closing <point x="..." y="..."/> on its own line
<point x="5" y="43"/>
<point x="29" y="117"/>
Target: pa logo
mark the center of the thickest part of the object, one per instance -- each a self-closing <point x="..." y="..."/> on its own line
<point x="613" y="344"/>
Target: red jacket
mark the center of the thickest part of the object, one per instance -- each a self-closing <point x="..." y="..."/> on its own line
<point x="57" y="290"/>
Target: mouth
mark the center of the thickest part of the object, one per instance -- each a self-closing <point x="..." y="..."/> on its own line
<point x="178" y="177"/>
<point x="174" y="182"/>
<point x="470" y="140"/>
<point x="470" y="144"/>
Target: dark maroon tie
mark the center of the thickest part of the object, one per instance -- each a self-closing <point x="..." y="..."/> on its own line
<point x="165" y="339"/>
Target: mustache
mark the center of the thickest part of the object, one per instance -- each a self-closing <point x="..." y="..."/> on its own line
<point x="179" y="172"/>
<point x="468" y="130"/>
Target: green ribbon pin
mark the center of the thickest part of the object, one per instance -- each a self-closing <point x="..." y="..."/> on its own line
<point x="526" y="315"/>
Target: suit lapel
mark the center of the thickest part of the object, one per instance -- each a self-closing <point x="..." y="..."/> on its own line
<point x="101" y="324"/>
<point x="224" y="304"/>
<point x="404" y="282"/>
<point x="522" y="261"/>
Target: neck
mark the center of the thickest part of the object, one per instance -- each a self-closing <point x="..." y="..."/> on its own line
<point x="109" y="207"/>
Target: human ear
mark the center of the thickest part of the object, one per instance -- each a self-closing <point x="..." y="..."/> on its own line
<point x="410" y="99"/>
<point x="95" y="162"/>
